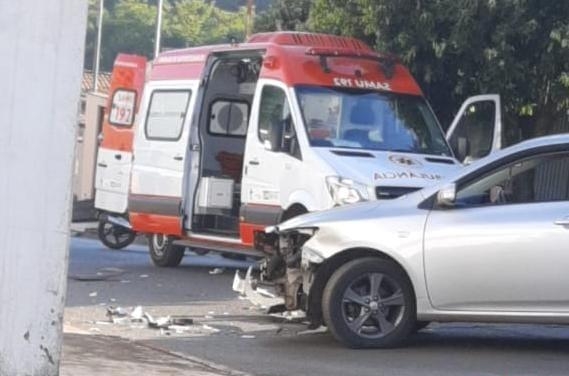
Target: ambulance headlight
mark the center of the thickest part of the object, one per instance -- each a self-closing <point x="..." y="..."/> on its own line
<point x="346" y="191"/>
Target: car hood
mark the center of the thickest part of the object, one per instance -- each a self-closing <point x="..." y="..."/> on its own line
<point x="382" y="168"/>
<point x="359" y="211"/>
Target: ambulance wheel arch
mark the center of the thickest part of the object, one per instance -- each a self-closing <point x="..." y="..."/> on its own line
<point x="293" y="211"/>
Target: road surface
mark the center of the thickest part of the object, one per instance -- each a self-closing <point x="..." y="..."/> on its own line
<point x="227" y="331"/>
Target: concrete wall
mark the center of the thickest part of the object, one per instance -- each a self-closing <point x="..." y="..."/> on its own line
<point x="41" y="45"/>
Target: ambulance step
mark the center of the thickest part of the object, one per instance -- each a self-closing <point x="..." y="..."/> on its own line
<point x="218" y="246"/>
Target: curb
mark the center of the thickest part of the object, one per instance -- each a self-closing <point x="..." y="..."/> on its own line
<point x="212" y="366"/>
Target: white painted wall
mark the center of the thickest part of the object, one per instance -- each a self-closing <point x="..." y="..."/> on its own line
<point x="41" y="56"/>
<point x="86" y="150"/>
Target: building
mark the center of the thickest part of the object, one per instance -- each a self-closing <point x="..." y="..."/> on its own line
<point x="90" y="122"/>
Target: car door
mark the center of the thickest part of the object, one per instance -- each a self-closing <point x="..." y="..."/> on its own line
<point x="114" y="156"/>
<point x="160" y="147"/>
<point x="476" y="130"/>
<point x="270" y="172"/>
<point x="504" y="246"/>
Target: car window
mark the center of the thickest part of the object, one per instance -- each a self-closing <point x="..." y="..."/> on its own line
<point x="166" y="114"/>
<point x="473" y="136"/>
<point x="274" y="109"/>
<point x="540" y="178"/>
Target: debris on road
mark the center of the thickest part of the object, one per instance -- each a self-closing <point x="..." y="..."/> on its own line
<point x="216" y="271"/>
<point x="248" y="336"/>
<point x="119" y="315"/>
<point x="93" y="294"/>
<point x="143" y="276"/>
<point x="320" y="330"/>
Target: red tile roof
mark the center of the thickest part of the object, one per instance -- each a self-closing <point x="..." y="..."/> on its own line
<point x="104" y="82"/>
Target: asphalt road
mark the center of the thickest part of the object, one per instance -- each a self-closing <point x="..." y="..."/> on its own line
<point x="228" y="332"/>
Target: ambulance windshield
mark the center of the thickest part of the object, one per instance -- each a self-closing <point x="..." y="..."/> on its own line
<point x="364" y="119"/>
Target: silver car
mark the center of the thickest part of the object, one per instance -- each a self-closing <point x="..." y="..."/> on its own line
<point x="490" y="244"/>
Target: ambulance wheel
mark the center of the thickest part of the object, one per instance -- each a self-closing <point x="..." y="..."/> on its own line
<point x="113" y="236"/>
<point x="163" y="252"/>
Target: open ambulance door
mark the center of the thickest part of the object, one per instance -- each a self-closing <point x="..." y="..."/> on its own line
<point x="114" y="158"/>
<point x="476" y="131"/>
<point x="158" y="169"/>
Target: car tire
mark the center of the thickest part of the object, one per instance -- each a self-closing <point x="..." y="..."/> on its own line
<point x="114" y="236"/>
<point x="360" y="318"/>
<point x="163" y="252"/>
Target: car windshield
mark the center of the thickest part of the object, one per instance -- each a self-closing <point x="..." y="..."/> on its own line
<point x="363" y="119"/>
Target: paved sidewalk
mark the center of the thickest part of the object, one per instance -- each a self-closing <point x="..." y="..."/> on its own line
<point x="86" y="355"/>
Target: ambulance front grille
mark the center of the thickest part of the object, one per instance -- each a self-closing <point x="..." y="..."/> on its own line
<point x="389" y="193"/>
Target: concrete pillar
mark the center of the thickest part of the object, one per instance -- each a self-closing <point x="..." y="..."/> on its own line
<point x="41" y="50"/>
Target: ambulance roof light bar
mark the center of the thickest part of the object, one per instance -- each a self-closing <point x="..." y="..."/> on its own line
<point x="386" y="62"/>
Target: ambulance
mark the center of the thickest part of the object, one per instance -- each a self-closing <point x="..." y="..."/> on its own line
<point x="114" y="155"/>
<point x="230" y="139"/>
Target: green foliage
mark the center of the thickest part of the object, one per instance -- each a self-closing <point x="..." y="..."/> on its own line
<point x="129" y="27"/>
<point x="458" y="48"/>
<point x="284" y="15"/>
<point x="194" y="22"/>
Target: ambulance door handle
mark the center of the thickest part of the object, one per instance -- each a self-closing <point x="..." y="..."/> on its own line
<point x="178" y="158"/>
<point x="254" y="162"/>
<point x="102" y="165"/>
<point x="118" y="156"/>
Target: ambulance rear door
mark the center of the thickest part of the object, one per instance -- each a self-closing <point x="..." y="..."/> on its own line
<point x="160" y="149"/>
<point x="114" y="157"/>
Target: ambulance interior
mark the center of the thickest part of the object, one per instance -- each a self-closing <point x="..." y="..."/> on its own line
<point x="223" y="128"/>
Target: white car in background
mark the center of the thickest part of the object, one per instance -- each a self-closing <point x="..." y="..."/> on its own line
<point x="490" y="244"/>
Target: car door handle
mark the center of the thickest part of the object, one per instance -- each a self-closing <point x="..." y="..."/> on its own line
<point x="254" y="162"/>
<point x="102" y="165"/>
<point x="118" y="157"/>
<point x="178" y="158"/>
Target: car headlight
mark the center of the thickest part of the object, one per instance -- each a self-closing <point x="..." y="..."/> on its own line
<point x="346" y="191"/>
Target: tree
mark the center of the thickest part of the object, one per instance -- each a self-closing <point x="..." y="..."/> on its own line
<point x="458" y="48"/>
<point x="284" y="15"/>
<point x="129" y="27"/>
<point x="194" y="22"/>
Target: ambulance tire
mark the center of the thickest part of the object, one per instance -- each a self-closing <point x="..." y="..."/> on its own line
<point x="163" y="252"/>
<point x="113" y="236"/>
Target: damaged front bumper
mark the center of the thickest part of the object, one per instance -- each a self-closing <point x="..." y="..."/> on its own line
<point x="264" y="296"/>
<point x="281" y="282"/>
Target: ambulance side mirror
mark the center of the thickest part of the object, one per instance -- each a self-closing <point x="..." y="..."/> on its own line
<point x="275" y="137"/>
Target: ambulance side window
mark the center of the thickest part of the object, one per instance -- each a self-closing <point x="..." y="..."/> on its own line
<point x="275" y="120"/>
<point x="166" y="114"/>
<point x="274" y="108"/>
<point x="474" y="132"/>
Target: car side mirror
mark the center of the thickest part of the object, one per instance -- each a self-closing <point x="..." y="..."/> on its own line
<point x="446" y="197"/>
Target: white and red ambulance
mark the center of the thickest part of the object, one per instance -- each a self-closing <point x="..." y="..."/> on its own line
<point x="230" y="139"/>
<point x="114" y="156"/>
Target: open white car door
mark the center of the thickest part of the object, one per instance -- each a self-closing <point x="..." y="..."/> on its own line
<point x="476" y="131"/>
